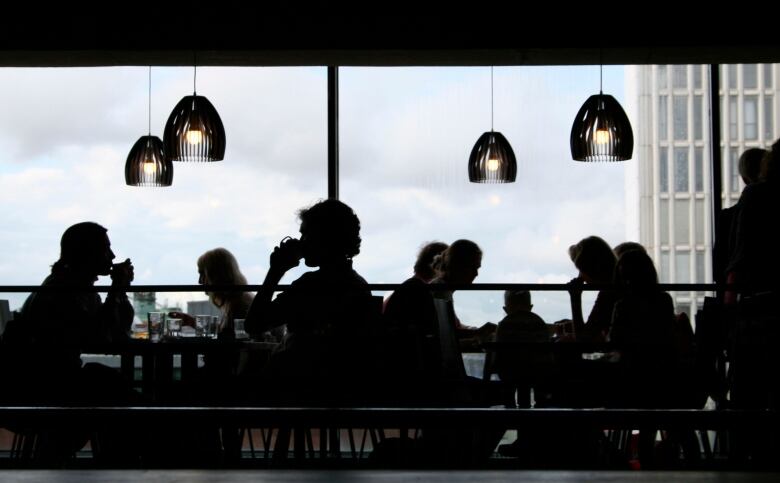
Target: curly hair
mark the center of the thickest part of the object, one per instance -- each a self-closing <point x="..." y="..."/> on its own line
<point x="335" y="225"/>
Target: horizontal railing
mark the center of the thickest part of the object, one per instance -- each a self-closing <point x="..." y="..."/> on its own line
<point x="563" y="287"/>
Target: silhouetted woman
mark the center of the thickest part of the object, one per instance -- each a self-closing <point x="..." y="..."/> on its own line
<point x="220" y="267"/>
<point x="643" y="333"/>
<point x="595" y="260"/>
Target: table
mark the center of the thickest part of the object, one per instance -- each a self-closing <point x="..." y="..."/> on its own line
<point x="157" y="367"/>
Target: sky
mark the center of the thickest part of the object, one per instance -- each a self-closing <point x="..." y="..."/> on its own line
<point x="405" y="137"/>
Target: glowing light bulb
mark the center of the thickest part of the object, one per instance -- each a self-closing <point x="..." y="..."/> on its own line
<point x="194" y="136"/>
<point x="602" y="136"/>
<point x="150" y="167"/>
<point x="492" y="164"/>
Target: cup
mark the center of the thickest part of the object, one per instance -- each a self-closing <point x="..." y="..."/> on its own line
<point x="156" y="325"/>
<point x="238" y="325"/>
<point x="214" y="327"/>
<point x="173" y="327"/>
<point x="202" y="325"/>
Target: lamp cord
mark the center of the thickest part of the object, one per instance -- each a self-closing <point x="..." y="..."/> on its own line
<point x="150" y="100"/>
<point x="491" y="98"/>
<point x="194" y="71"/>
<point x="601" y="72"/>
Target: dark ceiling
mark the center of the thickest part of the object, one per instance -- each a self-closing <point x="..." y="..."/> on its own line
<point x="243" y="33"/>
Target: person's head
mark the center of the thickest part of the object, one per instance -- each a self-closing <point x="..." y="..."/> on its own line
<point x="750" y="164"/>
<point x="460" y="262"/>
<point x="594" y="259"/>
<point x="517" y="301"/>
<point x="635" y="268"/>
<point x="86" y="249"/>
<point x="423" y="267"/>
<point x="627" y="246"/>
<point x="770" y="165"/>
<point x="330" y="232"/>
<point x="220" y="267"/>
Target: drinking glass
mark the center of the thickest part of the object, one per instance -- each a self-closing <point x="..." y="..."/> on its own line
<point x="156" y="321"/>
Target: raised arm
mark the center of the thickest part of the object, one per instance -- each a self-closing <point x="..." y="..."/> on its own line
<point x="264" y="314"/>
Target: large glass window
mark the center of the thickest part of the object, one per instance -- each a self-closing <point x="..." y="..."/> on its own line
<point x="697" y="76"/>
<point x="680" y="117"/>
<point x="406" y="135"/>
<point x="66" y="134"/>
<point x="769" y="125"/>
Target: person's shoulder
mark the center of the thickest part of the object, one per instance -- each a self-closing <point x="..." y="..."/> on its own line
<point x="358" y="278"/>
<point x="665" y="298"/>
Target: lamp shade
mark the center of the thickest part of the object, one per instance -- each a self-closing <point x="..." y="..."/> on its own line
<point x="492" y="160"/>
<point x="194" y="131"/>
<point x="147" y="165"/>
<point x="601" y="131"/>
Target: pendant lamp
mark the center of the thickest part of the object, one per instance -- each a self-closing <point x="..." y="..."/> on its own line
<point x="492" y="159"/>
<point x="146" y="164"/>
<point x="194" y="131"/>
<point x="601" y="131"/>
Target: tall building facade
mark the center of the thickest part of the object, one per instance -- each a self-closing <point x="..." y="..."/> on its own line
<point x="671" y="180"/>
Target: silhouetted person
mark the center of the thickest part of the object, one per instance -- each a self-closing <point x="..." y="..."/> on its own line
<point x="595" y="260"/>
<point x="410" y="311"/>
<point x="220" y="267"/>
<point x="216" y="381"/>
<point x="725" y="238"/>
<point x="56" y="326"/>
<point x="622" y="248"/>
<point x="649" y="369"/>
<point x="459" y="264"/>
<point x="755" y="261"/>
<point x="62" y="323"/>
<point x="525" y="366"/>
<point x="320" y="308"/>
<point x="643" y="326"/>
<point x="755" y="258"/>
<point x="528" y="364"/>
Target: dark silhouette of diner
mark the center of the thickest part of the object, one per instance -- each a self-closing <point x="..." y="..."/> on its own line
<point x="595" y="261"/>
<point x="44" y="343"/>
<point x="329" y="313"/>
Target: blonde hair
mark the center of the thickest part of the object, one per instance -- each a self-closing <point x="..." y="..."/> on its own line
<point x="220" y="267"/>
